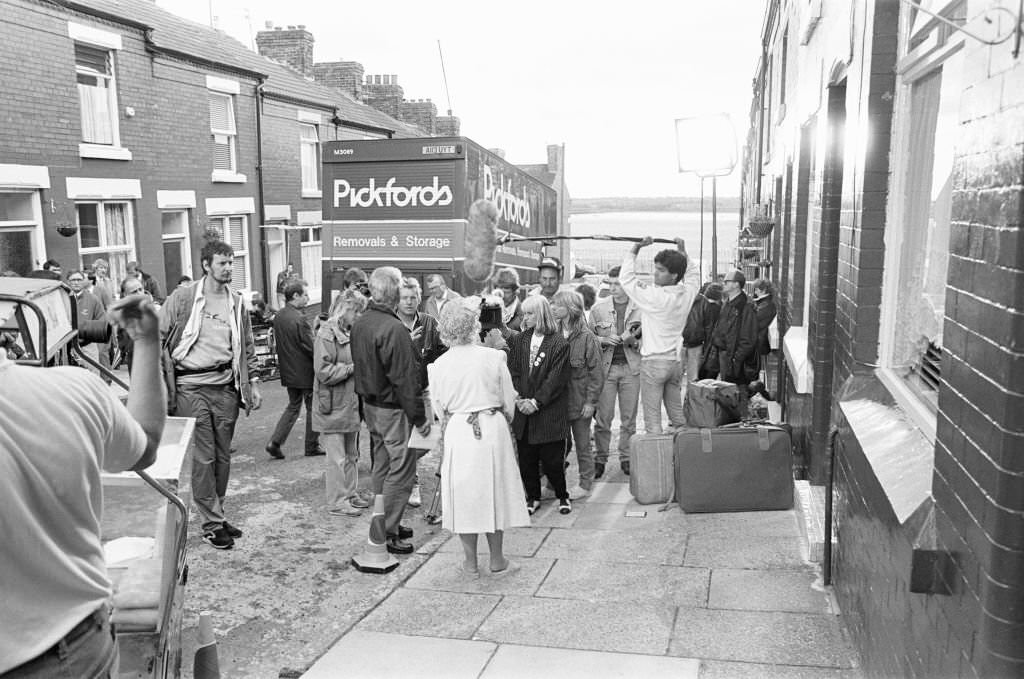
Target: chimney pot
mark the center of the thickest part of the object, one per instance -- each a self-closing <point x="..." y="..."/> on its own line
<point x="277" y="28"/>
<point x="291" y="28"/>
<point x="302" y="27"/>
<point x="268" y="25"/>
<point x="394" y="79"/>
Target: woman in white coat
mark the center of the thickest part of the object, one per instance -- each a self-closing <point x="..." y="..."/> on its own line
<point x="471" y="390"/>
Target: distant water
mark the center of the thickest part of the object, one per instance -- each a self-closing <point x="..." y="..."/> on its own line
<point x="603" y="254"/>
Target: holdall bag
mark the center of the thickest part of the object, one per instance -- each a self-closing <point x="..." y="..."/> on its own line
<point x="734" y="469"/>
<point x="711" y="403"/>
<point x="651" y="465"/>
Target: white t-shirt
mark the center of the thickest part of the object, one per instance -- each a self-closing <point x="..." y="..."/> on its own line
<point x="58" y="428"/>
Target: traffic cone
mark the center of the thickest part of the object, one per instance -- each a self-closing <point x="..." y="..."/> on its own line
<point x="375" y="557"/>
<point x="205" y="665"/>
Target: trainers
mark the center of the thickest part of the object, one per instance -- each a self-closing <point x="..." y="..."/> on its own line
<point x="564" y="506"/>
<point x="345" y="509"/>
<point x="358" y="502"/>
<point x="532" y="506"/>
<point x="598" y="470"/>
<point x="578" y="493"/>
<point x="414" y="497"/>
<point x="231" y="530"/>
<point x="624" y="466"/>
<point x="218" y="538"/>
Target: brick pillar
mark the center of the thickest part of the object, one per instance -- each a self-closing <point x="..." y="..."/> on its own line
<point x="293" y="47"/>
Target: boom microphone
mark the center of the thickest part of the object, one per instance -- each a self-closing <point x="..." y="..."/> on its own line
<point x="481" y="240"/>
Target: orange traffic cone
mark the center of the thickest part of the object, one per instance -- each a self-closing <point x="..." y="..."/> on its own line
<point x="205" y="665"/>
<point x="375" y="558"/>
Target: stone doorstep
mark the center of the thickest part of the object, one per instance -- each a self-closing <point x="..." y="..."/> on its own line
<point x="810" y="509"/>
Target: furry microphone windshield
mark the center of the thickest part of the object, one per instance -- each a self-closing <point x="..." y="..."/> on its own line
<point x="481" y="240"/>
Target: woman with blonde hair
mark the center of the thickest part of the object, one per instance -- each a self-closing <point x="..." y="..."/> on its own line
<point x="586" y="381"/>
<point x="539" y="365"/>
<point x="336" y="405"/>
<point x="471" y="389"/>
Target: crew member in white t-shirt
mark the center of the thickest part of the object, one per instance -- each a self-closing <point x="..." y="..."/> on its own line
<point x="55" y="619"/>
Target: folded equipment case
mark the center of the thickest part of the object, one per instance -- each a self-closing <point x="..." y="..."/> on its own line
<point x="734" y="469"/>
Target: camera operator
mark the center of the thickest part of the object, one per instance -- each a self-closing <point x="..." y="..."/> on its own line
<point x="55" y="620"/>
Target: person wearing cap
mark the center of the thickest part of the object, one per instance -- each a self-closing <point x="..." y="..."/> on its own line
<point x="664" y="308"/>
<point x="506" y="282"/>
<point x="550" y="269"/>
<point x="735" y="336"/>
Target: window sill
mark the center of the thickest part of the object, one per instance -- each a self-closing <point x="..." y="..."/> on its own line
<point x="103" y="151"/>
<point x="309" y="193"/>
<point x="916" y="409"/>
<point x="224" y="176"/>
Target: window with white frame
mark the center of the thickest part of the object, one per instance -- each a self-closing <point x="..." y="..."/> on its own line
<point x="97" y="94"/>
<point x="312" y="256"/>
<point x="235" y="232"/>
<point x="177" y="251"/>
<point x="223" y="132"/>
<point x="917" y="234"/>
<point x="20" y="237"/>
<point x="105" y="232"/>
<point x="309" y="157"/>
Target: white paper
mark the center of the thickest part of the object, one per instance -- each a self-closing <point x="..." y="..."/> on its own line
<point x="428" y="442"/>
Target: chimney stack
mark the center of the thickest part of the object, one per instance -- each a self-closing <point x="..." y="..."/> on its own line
<point x="293" y="47"/>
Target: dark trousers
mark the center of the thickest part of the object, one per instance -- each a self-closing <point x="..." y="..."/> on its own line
<point x="394" y="465"/>
<point x="296" y="397"/>
<point x="215" y="408"/>
<point x="548" y="455"/>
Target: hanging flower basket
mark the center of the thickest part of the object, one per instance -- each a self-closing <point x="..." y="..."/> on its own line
<point x="67" y="230"/>
<point x="760" y="228"/>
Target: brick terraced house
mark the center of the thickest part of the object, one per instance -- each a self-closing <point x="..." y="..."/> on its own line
<point x="128" y="132"/>
<point x="886" y="153"/>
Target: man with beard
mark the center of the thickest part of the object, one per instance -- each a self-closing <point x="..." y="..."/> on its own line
<point x="207" y="332"/>
<point x="550" y="276"/>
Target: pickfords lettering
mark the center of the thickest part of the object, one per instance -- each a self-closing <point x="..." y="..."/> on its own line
<point x="389" y="195"/>
<point x="511" y="207"/>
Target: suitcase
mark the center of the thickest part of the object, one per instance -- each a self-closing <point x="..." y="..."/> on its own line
<point x="651" y="464"/>
<point x="734" y="469"/>
<point x="711" y="403"/>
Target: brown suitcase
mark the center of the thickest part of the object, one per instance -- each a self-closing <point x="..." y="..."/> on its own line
<point x="651" y="463"/>
<point x="734" y="469"/>
<point x="711" y="403"/>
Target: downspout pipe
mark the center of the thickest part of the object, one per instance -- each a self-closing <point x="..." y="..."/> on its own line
<point x="261" y="209"/>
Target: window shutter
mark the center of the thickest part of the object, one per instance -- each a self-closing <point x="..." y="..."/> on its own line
<point x="236" y="233"/>
<point x="222" y="153"/>
<point x="92" y="58"/>
<point x="222" y="117"/>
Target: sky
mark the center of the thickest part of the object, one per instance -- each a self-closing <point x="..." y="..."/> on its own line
<point x="606" y="79"/>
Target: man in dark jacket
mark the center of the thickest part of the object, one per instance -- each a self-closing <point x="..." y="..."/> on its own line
<point x="148" y="282"/>
<point x="735" y="336"/>
<point x="294" y="337"/>
<point x="697" y="332"/>
<point x="387" y="379"/>
<point x="93" y="329"/>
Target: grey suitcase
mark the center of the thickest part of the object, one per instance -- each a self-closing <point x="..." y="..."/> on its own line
<point x="651" y="464"/>
<point x="734" y="469"/>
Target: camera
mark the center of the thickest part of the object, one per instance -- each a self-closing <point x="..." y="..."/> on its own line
<point x="635" y="329"/>
<point x="490" y="317"/>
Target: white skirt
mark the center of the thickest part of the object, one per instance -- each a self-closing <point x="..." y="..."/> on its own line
<point x="481" y="490"/>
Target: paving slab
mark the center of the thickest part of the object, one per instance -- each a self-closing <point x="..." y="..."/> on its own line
<point x="720" y="669"/>
<point x="745" y="524"/>
<point x="615" y="493"/>
<point x="516" y="662"/>
<point x="561" y="623"/>
<point x="442" y="574"/>
<point x="761" y="637"/>
<point x="523" y="541"/>
<point x="548" y="517"/>
<point x="430" y="614"/>
<point x="757" y="552"/>
<point x="614" y="516"/>
<point x="636" y="546"/>
<point x="768" y="590"/>
<point x="586" y="580"/>
<point x="372" y="655"/>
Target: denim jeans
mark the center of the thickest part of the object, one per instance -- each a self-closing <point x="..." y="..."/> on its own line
<point x="216" y="411"/>
<point x="661" y="380"/>
<point x="620" y="383"/>
<point x="394" y="466"/>
<point x="91" y="656"/>
<point x="580" y="428"/>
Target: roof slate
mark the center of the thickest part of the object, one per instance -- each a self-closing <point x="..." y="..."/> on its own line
<point x="190" y="38"/>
